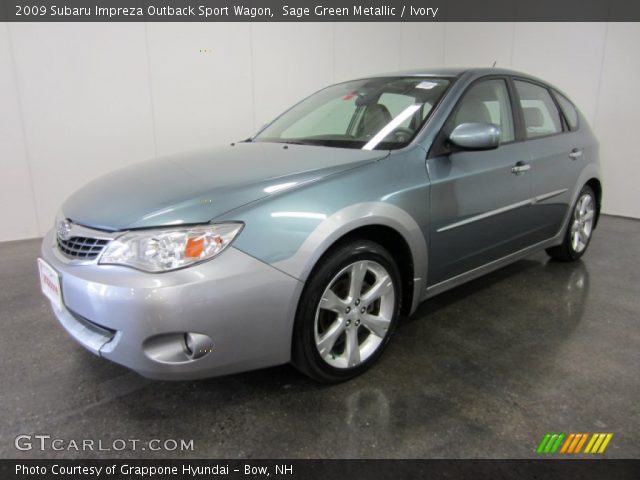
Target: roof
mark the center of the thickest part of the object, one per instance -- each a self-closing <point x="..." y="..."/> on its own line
<point x="471" y="74"/>
<point x="454" y="72"/>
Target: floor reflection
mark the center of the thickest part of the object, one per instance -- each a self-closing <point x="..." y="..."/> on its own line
<point x="482" y="370"/>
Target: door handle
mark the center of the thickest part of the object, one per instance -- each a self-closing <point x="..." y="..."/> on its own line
<point x="520" y="168"/>
<point x="575" y="154"/>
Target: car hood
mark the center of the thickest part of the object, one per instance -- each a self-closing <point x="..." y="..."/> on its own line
<point x="200" y="186"/>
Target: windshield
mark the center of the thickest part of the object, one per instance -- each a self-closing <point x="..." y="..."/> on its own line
<point x="371" y="114"/>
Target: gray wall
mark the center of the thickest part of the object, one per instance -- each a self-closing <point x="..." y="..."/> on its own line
<point x="79" y="100"/>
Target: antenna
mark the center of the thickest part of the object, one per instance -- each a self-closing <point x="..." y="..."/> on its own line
<point x="494" y="64"/>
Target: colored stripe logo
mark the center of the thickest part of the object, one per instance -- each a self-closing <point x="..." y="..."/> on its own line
<point x="573" y="443"/>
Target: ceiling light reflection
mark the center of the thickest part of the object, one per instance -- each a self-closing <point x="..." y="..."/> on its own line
<point x="310" y="215"/>
<point x="391" y="126"/>
<point x="281" y="186"/>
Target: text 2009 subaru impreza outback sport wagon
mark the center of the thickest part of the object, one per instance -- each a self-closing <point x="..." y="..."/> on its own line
<point x="307" y="242"/>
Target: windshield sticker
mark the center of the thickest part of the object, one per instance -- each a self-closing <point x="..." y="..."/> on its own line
<point x="426" y="85"/>
<point x="349" y="96"/>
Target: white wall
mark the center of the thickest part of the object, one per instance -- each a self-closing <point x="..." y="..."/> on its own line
<point x="83" y="90"/>
<point x="617" y="119"/>
<point x="17" y="204"/>
<point x="78" y="100"/>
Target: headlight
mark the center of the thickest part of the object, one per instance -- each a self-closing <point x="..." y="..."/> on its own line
<point x="170" y="249"/>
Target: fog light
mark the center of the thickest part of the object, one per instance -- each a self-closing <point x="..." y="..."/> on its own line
<point x="197" y="345"/>
<point x="177" y="347"/>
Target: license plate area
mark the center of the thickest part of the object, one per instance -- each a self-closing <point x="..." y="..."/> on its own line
<point x="50" y="283"/>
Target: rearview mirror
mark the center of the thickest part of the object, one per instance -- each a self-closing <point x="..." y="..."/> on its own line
<point x="476" y="136"/>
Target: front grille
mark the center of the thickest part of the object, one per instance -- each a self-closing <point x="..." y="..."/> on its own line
<point x="85" y="248"/>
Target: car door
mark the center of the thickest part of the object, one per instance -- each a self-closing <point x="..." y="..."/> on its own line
<point x="556" y="154"/>
<point x="479" y="200"/>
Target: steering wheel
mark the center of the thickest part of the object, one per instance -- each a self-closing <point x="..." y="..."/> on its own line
<point x="402" y="134"/>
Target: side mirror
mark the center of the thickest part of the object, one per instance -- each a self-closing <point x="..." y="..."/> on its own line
<point x="476" y="136"/>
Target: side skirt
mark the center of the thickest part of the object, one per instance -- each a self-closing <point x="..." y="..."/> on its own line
<point x="487" y="268"/>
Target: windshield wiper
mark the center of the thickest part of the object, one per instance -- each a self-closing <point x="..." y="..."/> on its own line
<point x="295" y="142"/>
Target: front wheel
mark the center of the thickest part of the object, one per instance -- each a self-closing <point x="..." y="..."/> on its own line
<point x="347" y="312"/>
<point x="579" y="230"/>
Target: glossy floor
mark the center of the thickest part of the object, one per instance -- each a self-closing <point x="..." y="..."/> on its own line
<point x="484" y="370"/>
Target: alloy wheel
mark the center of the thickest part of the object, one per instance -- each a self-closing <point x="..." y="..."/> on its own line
<point x="582" y="226"/>
<point x="354" y="314"/>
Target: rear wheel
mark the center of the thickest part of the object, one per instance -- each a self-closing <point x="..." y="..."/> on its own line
<point x="347" y="312"/>
<point x="579" y="230"/>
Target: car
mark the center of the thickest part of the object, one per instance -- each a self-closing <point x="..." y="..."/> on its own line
<point x="307" y="242"/>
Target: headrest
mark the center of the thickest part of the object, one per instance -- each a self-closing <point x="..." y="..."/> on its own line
<point x="472" y="111"/>
<point x="533" y="117"/>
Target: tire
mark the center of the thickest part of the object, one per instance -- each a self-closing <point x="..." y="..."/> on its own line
<point x="579" y="230"/>
<point x="342" y="329"/>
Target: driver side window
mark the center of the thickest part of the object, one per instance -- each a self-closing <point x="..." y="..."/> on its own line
<point x="486" y="102"/>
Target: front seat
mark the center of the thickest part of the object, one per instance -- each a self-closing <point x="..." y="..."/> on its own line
<point x="472" y="111"/>
<point x="374" y="118"/>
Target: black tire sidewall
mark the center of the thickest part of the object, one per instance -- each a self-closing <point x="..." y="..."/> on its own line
<point x="305" y="353"/>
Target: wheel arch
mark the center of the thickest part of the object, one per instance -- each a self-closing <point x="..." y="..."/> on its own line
<point x="395" y="244"/>
<point x="596" y="186"/>
<point x="383" y="223"/>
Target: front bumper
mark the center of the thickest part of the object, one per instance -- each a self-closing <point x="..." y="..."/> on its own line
<point x="138" y="319"/>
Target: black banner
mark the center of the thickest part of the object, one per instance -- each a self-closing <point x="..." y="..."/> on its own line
<point x="320" y="469"/>
<point x="317" y="10"/>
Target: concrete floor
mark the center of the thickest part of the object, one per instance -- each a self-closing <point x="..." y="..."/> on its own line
<point x="484" y="370"/>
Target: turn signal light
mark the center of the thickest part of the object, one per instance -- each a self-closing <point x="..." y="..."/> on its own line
<point x="194" y="248"/>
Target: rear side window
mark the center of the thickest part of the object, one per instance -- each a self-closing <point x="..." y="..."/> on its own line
<point x="569" y="110"/>
<point x="541" y="116"/>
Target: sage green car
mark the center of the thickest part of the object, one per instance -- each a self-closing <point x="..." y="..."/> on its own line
<point x="308" y="241"/>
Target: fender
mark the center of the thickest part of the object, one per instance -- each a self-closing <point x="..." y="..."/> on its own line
<point x="590" y="170"/>
<point x="350" y="218"/>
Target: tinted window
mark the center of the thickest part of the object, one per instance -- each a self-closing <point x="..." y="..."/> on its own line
<point x="396" y="103"/>
<point x="373" y="113"/>
<point x="486" y="102"/>
<point x="331" y="118"/>
<point x="569" y="110"/>
<point x="541" y="117"/>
